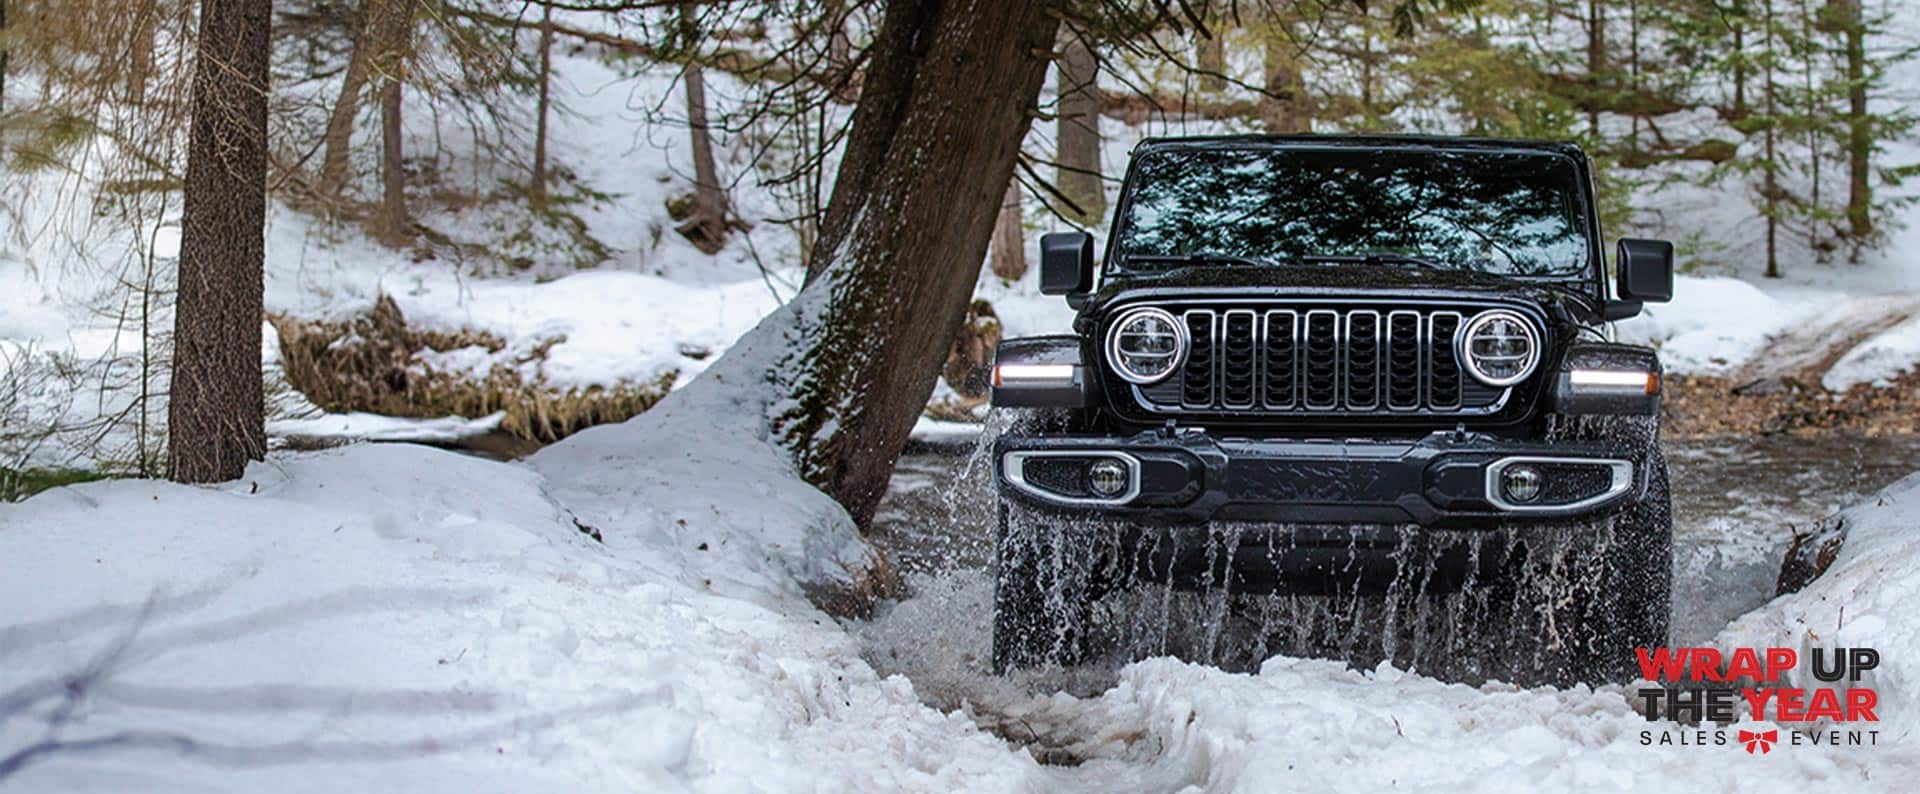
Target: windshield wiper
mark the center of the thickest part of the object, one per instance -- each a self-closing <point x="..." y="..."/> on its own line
<point x="1376" y="258"/>
<point x="1202" y="258"/>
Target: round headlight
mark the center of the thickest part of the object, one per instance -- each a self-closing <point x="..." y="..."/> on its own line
<point x="1499" y="348"/>
<point x="1146" y="345"/>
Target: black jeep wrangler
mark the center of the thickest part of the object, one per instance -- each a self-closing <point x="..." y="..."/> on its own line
<point x="1322" y="366"/>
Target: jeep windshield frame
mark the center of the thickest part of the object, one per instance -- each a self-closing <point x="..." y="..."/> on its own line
<point x="1555" y="240"/>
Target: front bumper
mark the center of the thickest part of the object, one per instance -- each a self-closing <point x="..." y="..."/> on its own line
<point x="1445" y="480"/>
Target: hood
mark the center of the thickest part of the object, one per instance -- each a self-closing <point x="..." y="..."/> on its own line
<point x="1571" y="299"/>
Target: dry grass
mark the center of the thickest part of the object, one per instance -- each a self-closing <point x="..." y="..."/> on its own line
<point x="368" y="364"/>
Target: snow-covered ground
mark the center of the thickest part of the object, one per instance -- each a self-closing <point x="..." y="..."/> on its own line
<point x="392" y="616"/>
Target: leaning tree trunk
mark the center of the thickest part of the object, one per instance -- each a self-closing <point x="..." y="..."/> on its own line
<point x="707" y="227"/>
<point x="950" y="94"/>
<point x="893" y="62"/>
<point x="216" y="413"/>
<point x="1009" y="251"/>
<point x="1078" y="133"/>
<point x="338" y="138"/>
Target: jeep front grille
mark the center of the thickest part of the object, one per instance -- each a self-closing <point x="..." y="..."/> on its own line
<point x="1305" y="359"/>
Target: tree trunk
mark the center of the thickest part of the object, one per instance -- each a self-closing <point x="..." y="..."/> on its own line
<point x="1859" y="131"/>
<point x="5" y="56"/>
<point x="1077" y="135"/>
<point x="1009" y="252"/>
<point x="396" y="43"/>
<point x="706" y="228"/>
<point x="338" y="139"/>
<point x="893" y="60"/>
<point x="1210" y="56"/>
<point x="1596" y="59"/>
<point x="216" y="411"/>
<point x="1771" y="180"/>
<point x="1739" y="58"/>
<point x="1284" y="107"/>
<point x="146" y="15"/>
<point x="951" y="93"/>
<point x="538" y="182"/>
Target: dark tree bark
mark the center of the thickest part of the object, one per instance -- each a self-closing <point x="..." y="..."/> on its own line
<point x="950" y="93"/>
<point x="396" y="46"/>
<point x="1859" y="130"/>
<point x="707" y="227"/>
<point x="1078" y="133"/>
<point x="893" y="60"/>
<point x="338" y="139"/>
<point x="216" y="414"/>
<point x="1284" y="107"/>
<point x="1009" y="250"/>
<point x="538" y="187"/>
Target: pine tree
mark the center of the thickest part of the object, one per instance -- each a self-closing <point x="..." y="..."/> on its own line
<point x="216" y="414"/>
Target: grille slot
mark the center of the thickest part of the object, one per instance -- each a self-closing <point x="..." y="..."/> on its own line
<point x="1196" y="389"/>
<point x="1282" y="359"/>
<point x="1443" y="386"/>
<point x="1312" y="360"/>
<point x="1237" y="346"/>
<point x="1404" y="342"/>
<point x="1363" y="360"/>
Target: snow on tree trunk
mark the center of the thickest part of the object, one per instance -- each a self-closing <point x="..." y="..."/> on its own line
<point x="216" y="410"/>
<point x="1009" y="240"/>
<point x="884" y="92"/>
<point x="1078" y="133"/>
<point x="954" y="88"/>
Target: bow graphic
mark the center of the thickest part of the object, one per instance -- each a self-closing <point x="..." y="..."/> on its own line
<point x="1764" y="740"/>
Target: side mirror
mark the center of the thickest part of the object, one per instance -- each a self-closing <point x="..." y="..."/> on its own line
<point x="1066" y="263"/>
<point x="1646" y="274"/>
<point x="1646" y="270"/>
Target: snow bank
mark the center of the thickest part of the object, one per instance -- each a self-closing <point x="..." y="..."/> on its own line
<point x="1865" y="599"/>
<point x="1714" y="325"/>
<point x="696" y="481"/>
<point x="1878" y="359"/>
<point x="398" y="618"/>
<point x="1316" y="726"/>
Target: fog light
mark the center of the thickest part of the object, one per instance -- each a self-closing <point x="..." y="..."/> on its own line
<point x="1108" y="478"/>
<point x="1521" y="483"/>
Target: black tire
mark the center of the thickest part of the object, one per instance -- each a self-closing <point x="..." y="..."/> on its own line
<point x="1040" y="608"/>
<point x="1631" y="604"/>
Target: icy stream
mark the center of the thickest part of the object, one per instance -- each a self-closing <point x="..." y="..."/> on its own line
<point x="1736" y="503"/>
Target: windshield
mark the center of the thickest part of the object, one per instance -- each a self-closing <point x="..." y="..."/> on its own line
<point x="1511" y="213"/>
